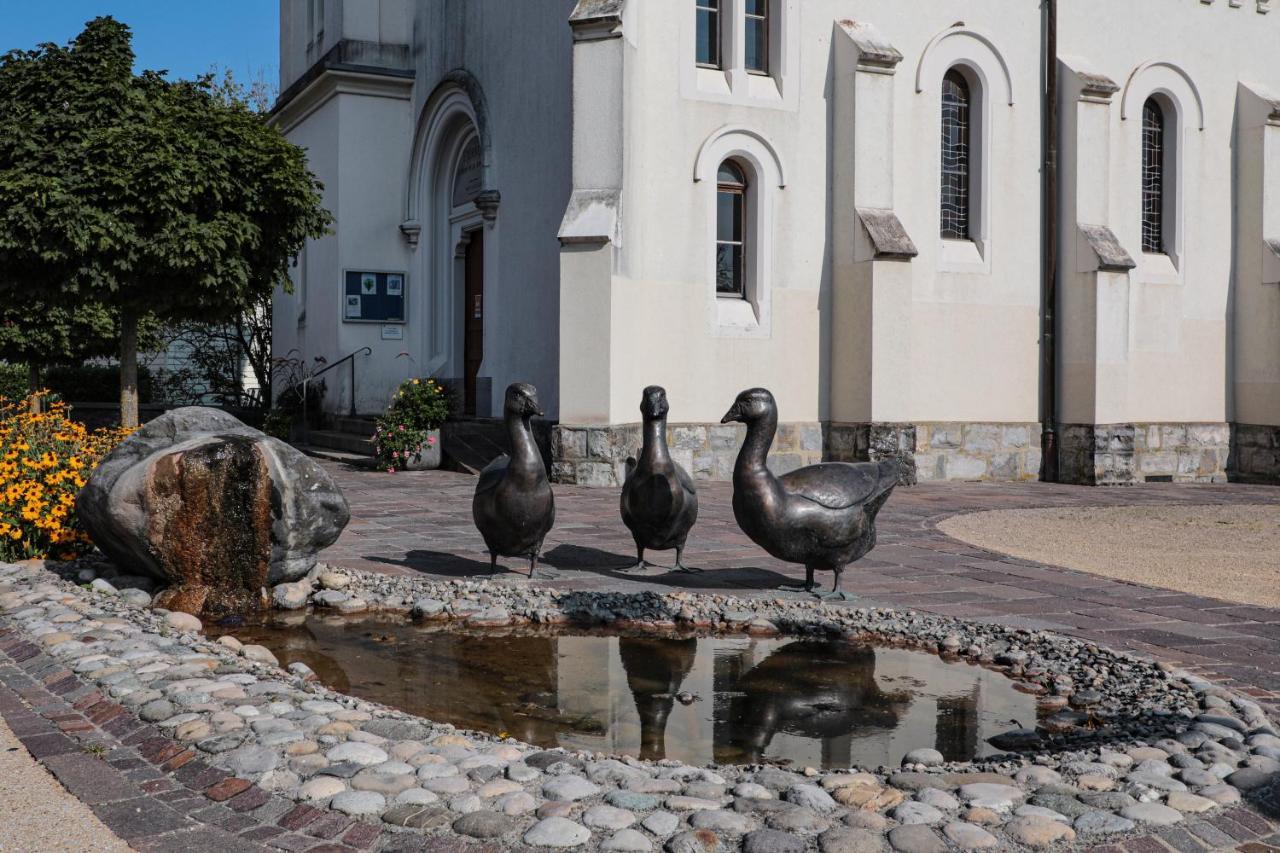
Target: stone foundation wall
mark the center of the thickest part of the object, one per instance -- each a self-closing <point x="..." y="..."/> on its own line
<point x="1125" y="454"/>
<point x="1255" y="453"/>
<point x="597" y="455"/>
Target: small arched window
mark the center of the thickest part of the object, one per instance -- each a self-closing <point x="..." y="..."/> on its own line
<point x="731" y="230"/>
<point x="957" y="103"/>
<point x="1154" y="177"/>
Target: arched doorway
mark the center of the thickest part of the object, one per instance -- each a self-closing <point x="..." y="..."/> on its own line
<point x="449" y="211"/>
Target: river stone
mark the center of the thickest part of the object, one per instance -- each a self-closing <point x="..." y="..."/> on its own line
<point x="913" y="812"/>
<point x="698" y="841"/>
<point x="626" y="841"/>
<point x="772" y="841"/>
<point x="1038" y="831"/>
<point x="1249" y="778"/>
<point x="991" y="796"/>
<point x="557" y="832"/>
<point x="214" y="509"/>
<point x="939" y="799"/>
<point x="811" y="797"/>
<point x="631" y="800"/>
<point x="608" y="817"/>
<point x="719" y="820"/>
<point x="359" y="753"/>
<point x="484" y="824"/>
<point x="1191" y="803"/>
<point x="798" y="821"/>
<point x="661" y="824"/>
<point x="852" y="840"/>
<point x="1060" y="803"/>
<point x="251" y="760"/>
<point x="322" y="788"/>
<point x="966" y="836"/>
<point x="927" y="757"/>
<point x="1155" y="813"/>
<point x="1097" y="822"/>
<point x="569" y="789"/>
<point x="916" y="838"/>
<point x="358" y="803"/>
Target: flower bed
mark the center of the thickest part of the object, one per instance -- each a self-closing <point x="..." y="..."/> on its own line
<point x="45" y="458"/>
<point x="410" y="428"/>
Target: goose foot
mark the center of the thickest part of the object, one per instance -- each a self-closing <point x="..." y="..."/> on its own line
<point x="835" y="595"/>
<point x="681" y="567"/>
<point x="638" y="569"/>
<point x="796" y="587"/>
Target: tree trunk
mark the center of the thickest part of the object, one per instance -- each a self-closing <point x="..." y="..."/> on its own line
<point x="33" y="388"/>
<point x="128" y="369"/>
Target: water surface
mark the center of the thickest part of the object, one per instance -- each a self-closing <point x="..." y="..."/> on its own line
<point x="700" y="700"/>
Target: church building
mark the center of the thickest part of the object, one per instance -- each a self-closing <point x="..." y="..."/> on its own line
<point x="997" y="239"/>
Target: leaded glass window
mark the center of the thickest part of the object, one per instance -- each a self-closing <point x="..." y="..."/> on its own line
<point x="731" y="220"/>
<point x="708" y="12"/>
<point x="956" y="107"/>
<point x="757" y="58"/>
<point x="1153" y="188"/>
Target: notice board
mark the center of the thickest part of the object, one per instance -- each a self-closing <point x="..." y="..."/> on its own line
<point x="373" y="297"/>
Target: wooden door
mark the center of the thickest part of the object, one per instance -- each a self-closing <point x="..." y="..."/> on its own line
<point x="473" y="319"/>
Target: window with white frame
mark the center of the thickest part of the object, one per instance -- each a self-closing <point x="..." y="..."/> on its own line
<point x="315" y="21"/>
<point x="957" y="139"/>
<point x="708" y="41"/>
<point x="756" y="57"/>
<point x="731" y="231"/>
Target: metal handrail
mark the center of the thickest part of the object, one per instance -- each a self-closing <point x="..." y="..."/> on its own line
<point x="306" y="381"/>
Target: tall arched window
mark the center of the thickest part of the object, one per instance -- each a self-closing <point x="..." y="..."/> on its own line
<point x="731" y="230"/>
<point x="957" y="104"/>
<point x="1154" y="149"/>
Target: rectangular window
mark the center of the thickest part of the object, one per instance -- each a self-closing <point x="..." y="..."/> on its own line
<point x="708" y="35"/>
<point x="757" y="47"/>
<point x="730" y="269"/>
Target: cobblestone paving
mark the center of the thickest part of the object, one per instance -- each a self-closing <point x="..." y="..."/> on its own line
<point x="421" y="523"/>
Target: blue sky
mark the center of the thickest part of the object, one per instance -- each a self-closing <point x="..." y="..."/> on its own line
<point x="183" y="36"/>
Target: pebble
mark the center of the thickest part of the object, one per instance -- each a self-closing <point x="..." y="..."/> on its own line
<point x="260" y="654"/>
<point x="1098" y="822"/>
<point x="917" y="838"/>
<point x="1152" y="813"/>
<point x="720" y="821"/>
<point x="661" y="823"/>
<point x="913" y="812"/>
<point x="1038" y="831"/>
<point x="358" y="803"/>
<point x="184" y="622"/>
<point x="853" y="840"/>
<point x="991" y="796"/>
<point x="772" y="841"/>
<point x="811" y="797"/>
<point x="357" y="753"/>
<point x="569" y="789"/>
<point x="557" y="832"/>
<point x="966" y="836"/>
<point x="484" y="824"/>
<point x="608" y="817"/>
<point x="927" y="757"/>
<point x="627" y="841"/>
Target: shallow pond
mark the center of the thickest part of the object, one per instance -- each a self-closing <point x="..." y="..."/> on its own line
<point x="737" y="700"/>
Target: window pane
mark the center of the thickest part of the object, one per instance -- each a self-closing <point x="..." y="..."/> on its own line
<point x="1152" y="177"/>
<point x="730" y="174"/>
<point x="708" y="36"/>
<point x="729" y="217"/>
<point x="757" y="7"/>
<point x="757" y="58"/>
<point x="955" y="157"/>
<point x="729" y="269"/>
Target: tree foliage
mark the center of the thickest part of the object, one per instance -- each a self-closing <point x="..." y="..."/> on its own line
<point x="143" y="195"/>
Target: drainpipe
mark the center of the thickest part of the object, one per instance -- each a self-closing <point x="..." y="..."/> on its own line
<point x="1049" y="274"/>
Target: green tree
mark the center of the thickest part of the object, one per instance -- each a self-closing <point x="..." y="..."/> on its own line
<point x="142" y="195"/>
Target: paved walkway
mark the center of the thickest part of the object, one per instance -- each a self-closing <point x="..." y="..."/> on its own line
<point x="421" y="523"/>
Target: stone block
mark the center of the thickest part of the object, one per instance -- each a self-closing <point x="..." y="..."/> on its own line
<point x="930" y="467"/>
<point x="683" y="457"/>
<point x="726" y="436"/>
<point x="810" y="438"/>
<point x="945" y="436"/>
<point x="1161" y="463"/>
<point x="1015" y="436"/>
<point x="981" y="438"/>
<point x="1173" y="436"/>
<point x="1208" y="435"/>
<point x="965" y="466"/>
<point x="595" y="474"/>
<point x="569" y="443"/>
<point x="1031" y="467"/>
<point x="1005" y="467"/>
<point x="564" y="473"/>
<point x="688" y="437"/>
<point x="785" y="463"/>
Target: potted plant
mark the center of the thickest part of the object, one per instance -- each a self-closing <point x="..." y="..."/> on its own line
<point x="407" y="437"/>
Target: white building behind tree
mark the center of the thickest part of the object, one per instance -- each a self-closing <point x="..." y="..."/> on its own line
<point x="841" y="200"/>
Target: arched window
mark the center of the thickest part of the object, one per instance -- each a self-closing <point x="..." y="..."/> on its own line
<point x="708" y="37"/>
<point x="957" y="103"/>
<point x="731" y="230"/>
<point x="1154" y="177"/>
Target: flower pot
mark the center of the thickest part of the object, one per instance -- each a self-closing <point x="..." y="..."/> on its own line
<point x="431" y="454"/>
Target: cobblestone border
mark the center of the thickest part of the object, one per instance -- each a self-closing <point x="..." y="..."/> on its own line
<point x="159" y="794"/>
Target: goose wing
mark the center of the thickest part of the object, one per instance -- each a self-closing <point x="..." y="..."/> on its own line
<point x="492" y="474"/>
<point x="840" y="485"/>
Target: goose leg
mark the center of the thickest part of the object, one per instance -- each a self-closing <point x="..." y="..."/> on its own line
<point x="493" y="562"/>
<point x="836" y="594"/>
<point x="640" y="565"/>
<point x="680" y="566"/>
<point x="806" y="587"/>
<point x="533" y="565"/>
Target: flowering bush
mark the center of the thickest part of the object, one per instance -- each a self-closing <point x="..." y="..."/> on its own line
<point x="45" y="458"/>
<point x="419" y="407"/>
<point x="421" y="404"/>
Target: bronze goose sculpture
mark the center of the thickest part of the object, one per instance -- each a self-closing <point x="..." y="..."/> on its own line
<point x="822" y="516"/>
<point x="513" y="507"/>
<point x="659" y="502"/>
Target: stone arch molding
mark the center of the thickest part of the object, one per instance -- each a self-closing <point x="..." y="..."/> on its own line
<point x="968" y="47"/>
<point x="458" y="100"/>
<point x="739" y="141"/>
<point x="1167" y="78"/>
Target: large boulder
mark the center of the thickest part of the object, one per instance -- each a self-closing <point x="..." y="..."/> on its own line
<point x="213" y="508"/>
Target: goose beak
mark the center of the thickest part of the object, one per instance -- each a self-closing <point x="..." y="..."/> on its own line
<point x="731" y="416"/>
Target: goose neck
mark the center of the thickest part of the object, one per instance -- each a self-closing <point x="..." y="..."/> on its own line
<point x="655" y="441"/>
<point x="524" y="451"/>
<point x="754" y="455"/>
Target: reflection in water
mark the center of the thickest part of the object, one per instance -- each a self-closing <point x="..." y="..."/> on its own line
<point x="655" y="670"/>
<point x="729" y="699"/>
<point x="821" y="691"/>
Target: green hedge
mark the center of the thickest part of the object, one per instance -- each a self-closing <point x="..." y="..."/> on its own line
<point x="83" y="384"/>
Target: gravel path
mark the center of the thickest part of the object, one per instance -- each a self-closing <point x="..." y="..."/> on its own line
<point x="1227" y="552"/>
<point x="39" y="815"/>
